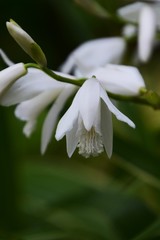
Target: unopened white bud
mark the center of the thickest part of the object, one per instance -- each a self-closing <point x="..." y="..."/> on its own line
<point x="26" y="43"/>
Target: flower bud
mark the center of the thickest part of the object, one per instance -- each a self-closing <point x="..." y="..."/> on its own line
<point x="26" y="43"/>
<point x="9" y="75"/>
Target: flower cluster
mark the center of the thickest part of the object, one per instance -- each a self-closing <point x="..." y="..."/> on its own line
<point x="92" y="73"/>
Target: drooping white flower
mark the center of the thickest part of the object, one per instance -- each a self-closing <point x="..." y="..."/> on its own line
<point x="33" y="93"/>
<point x="29" y="86"/>
<point x="10" y="74"/>
<point x="147" y="15"/>
<point x="93" y="54"/>
<point x="87" y="124"/>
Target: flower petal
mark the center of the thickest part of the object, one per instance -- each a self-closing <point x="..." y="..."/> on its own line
<point x="156" y="8"/>
<point x="29" y="128"/>
<point x="118" y="79"/>
<point x="93" y="54"/>
<point x="88" y="101"/>
<point x="120" y="116"/>
<point x="67" y="121"/>
<point x="107" y="128"/>
<point x="30" y="109"/>
<point x="72" y="139"/>
<point x="131" y="11"/>
<point x="147" y="31"/>
<point x="52" y="117"/>
<point x="5" y="58"/>
<point x="10" y="74"/>
<point x="32" y="84"/>
<point x="68" y="65"/>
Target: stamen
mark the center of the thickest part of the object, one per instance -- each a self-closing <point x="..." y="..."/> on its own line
<point x="90" y="142"/>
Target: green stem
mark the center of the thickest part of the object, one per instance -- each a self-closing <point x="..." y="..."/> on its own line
<point x="56" y="76"/>
<point x="60" y="78"/>
<point x="146" y="97"/>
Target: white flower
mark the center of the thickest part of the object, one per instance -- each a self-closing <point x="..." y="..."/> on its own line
<point x="29" y="86"/>
<point x="93" y="54"/>
<point x="148" y="17"/>
<point x="87" y="124"/>
<point x="33" y="93"/>
<point x="9" y="75"/>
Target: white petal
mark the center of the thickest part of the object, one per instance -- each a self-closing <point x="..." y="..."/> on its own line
<point x="52" y="117"/>
<point x="118" y="79"/>
<point x="10" y="74"/>
<point x="147" y="31"/>
<point x="32" y="84"/>
<point x="68" y="64"/>
<point x="156" y="8"/>
<point x="30" y="109"/>
<point x="5" y="58"/>
<point x="131" y="11"/>
<point x="67" y="121"/>
<point x="120" y="116"/>
<point x="93" y="54"/>
<point x="72" y="139"/>
<point x="29" y="128"/>
<point x="107" y="128"/>
<point x="89" y="97"/>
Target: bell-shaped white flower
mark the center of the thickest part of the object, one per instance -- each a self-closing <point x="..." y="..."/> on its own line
<point x="87" y="124"/>
<point x="93" y="54"/>
<point x="9" y="75"/>
<point x="148" y="17"/>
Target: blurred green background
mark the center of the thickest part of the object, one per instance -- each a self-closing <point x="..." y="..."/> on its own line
<point x="52" y="197"/>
